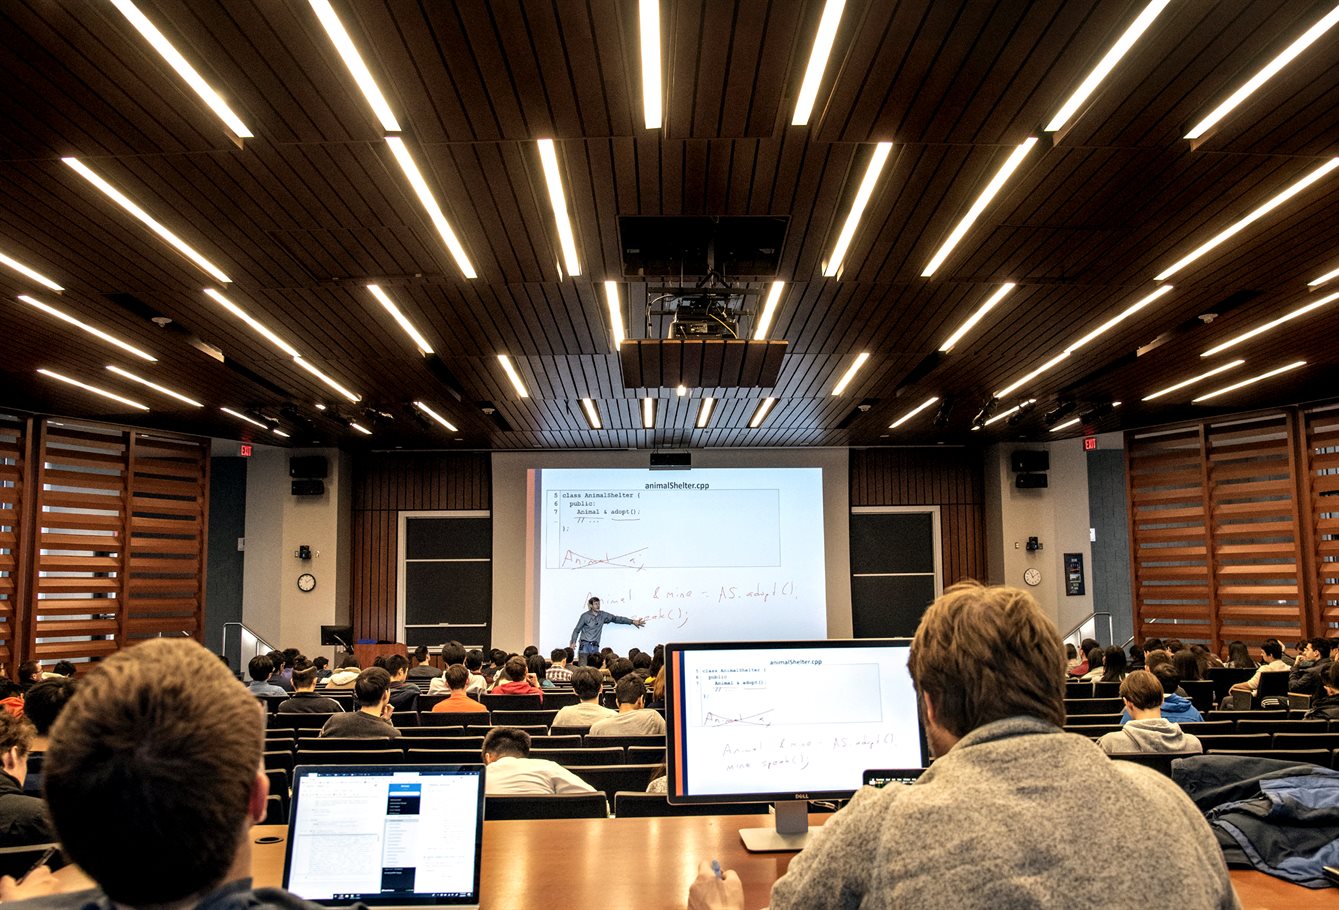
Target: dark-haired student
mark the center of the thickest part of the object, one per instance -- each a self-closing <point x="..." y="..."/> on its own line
<point x="1308" y="672"/>
<point x="511" y="770"/>
<point x="517" y="680"/>
<point x="305" y="700"/>
<point x="1147" y="730"/>
<point x="23" y="817"/>
<point x="633" y="717"/>
<point x="372" y="720"/>
<point x="261" y="671"/>
<point x="419" y="668"/>
<point x="1326" y="705"/>
<point x="404" y="694"/>
<point x="586" y="684"/>
<point x="458" y="701"/>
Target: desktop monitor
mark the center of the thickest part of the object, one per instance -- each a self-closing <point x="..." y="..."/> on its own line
<point x="787" y="722"/>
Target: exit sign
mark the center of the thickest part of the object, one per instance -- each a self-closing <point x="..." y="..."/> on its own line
<point x="244" y="450"/>
<point x="1089" y="443"/>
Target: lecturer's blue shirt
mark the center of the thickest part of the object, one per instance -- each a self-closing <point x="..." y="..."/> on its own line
<point x="588" y="629"/>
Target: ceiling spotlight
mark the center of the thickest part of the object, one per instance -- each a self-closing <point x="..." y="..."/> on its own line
<point x="983" y="415"/>
<point x="1058" y="413"/>
<point x="943" y="414"/>
<point x="1021" y="412"/>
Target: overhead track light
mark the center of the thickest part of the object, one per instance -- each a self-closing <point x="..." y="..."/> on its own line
<point x="1316" y="282"/>
<point x="1061" y="409"/>
<point x="976" y="317"/>
<point x="548" y="158"/>
<point x="1021" y="406"/>
<point x="1194" y="379"/>
<point x="85" y="327"/>
<point x="435" y="416"/>
<point x="704" y="412"/>
<point x="913" y="412"/>
<point x="515" y="377"/>
<point x="353" y="425"/>
<point x="256" y="325"/>
<point x="181" y="246"/>
<point x="126" y="374"/>
<point x="355" y="64"/>
<point x="429" y="203"/>
<point x="311" y="368"/>
<point x="592" y="414"/>
<point x="942" y="414"/>
<point x="615" y="312"/>
<point x="768" y="310"/>
<point x="760" y="412"/>
<point x="419" y="341"/>
<point x="652" y="93"/>
<point x="1073" y="421"/>
<point x="240" y="416"/>
<point x="52" y="374"/>
<point x="877" y="161"/>
<point x="1245" y="382"/>
<point x="30" y="273"/>
<point x="1266" y="73"/>
<point x="989" y="193"/>
<point x="648" y="413"/>
<point x="183" y="68"/>
<point x="818" y="61"/>
<point x="1268" y="326"/>
<point x="850" y="373"/>
<point x="1237" y="227"/>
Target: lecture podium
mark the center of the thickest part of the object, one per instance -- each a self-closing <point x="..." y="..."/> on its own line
<point x="366" y="654"/>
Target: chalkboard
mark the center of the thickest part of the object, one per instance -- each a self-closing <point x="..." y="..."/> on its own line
<point x="449" y="538"/>
<point x="889" y="606"/>
<point x="892" y="542"/>
<point x="893" y="577"/>
<point x="448" y="580"/>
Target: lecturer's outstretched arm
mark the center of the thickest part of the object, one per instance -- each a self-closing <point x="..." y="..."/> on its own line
<point x="638" y="622"/>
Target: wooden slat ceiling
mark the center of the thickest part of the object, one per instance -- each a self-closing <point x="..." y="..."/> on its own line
<point x="309" y="211"/>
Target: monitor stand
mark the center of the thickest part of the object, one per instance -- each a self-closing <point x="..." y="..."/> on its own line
<point x="791" y="831"/>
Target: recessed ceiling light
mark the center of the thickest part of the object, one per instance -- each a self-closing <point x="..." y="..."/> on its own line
<point x="278" y="432"/>
<point x="648" y="413"/>
<point x="913" y="412"/>
<point x="515" y="377"/>
<point x="1014" y="410"/>
<point x="992" y="189"/>
<point x="429" y="203"/>
<point x="153" y="385"/>
<point x="435" y="416"/>
<point x="976" y="317"/>
<point x="760" y="412"/>
<point x="833" y="266"/>
<point x="1251" y="381"/>
<point x="1265" y="74"/>
<point x="360" y="428"/>
<point x="1066" y="425"/>
<point x="183" y="68"/>
<point x="85" y="327"/>
<point x="1230" y="232"/>
<point x="704" y="412"/>
<point x="818" y="61"/>
<point x="652" y="94"/>
<point x="592" y="414"/>
<point x="355" y="64"/>
<point x="181" y="246"/>
<point x="1194" y="379"/>
<point x="1260" y="330"/>
<point x="681" y="391"/>
<point x="548" y="159"/>
<point x="310" y="368"/>
<point x="30" y="273"/>
<point x="52" y="374"/>
<point x="319" y="406"/>
<point x="419" y="341"/>
<point x="768" y="310"/>
<point x="1323" y="278"/>
<point x="850" y="373"/>
<point x="1107" y="64"/>
<point x="615" y="312"/>
<point x="256" y="325"/>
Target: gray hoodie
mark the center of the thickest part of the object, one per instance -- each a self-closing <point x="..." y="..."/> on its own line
<point x="343" y="679"/>
<point x="1157" y="735"/>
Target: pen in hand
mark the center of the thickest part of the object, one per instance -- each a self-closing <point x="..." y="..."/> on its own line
<point x="716" y="867"/>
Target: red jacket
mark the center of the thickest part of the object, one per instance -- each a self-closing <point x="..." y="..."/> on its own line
<point x="517" y="688"/>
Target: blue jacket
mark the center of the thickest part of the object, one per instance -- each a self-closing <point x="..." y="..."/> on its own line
<point x="1176" y="708"/>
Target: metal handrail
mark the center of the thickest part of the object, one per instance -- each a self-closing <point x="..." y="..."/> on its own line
<point x="1091" y="617"/>
<point x="257" y="645"/>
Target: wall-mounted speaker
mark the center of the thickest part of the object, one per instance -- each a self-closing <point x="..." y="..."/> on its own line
<point x="309" y="488"/>
<point x="308" y="466"/>
<point x="1030" y="481"/>
<point x="1025" y="462"/>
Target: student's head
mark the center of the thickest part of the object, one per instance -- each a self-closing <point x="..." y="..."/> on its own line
<point x="30" y="671"/>
<point x="348" y="662"/>
<point x="304" y="680"/>
<point x="63" y="668"/>
<point x="1319" y="648"/>
<point x="143" y="769"/>
<point x="290" y="655"/>
<point x="514" y="669"/>
<point x="420" y="655"/>
<point x="474" y="660"/>
<point x="1187" y="664"/>
<point x="45" y="701"/>
<point x="1168" y="677"/>
<point x="1155" y="658"/>
<point x="320" y="663"/>
<point x="1272" y="649"/>
<point x="1173" y="645"/>
<point x="535" y="664"/>
<point x="571" y="654"/>
<point x="1136" y="654"/>
<point x="593" y="605"/>
<point x="502" y="742"/>
<point x="558" y="656"/>
<point x="1331" y="680"/>
<point x="16" y="738"/>
<point x="1152" y="644"/>
<point x="620" y="667"/>
<point x="498" y="657"/>
<point x="595" y="660"/>
<point x="982" y="654"/>
<point x="1114" y="663"/>
<point x="397" y="665"/>
<point x="1094" y="658"/>
<point x="301" y="663"/>
<point x="1142" y="690"/>
<point x="453" y="652"/>
<point x="260" y="668"/>
<point x="586" y="683"/>
<point x="276" y="660"/>
<point x="372" y="685"/>
<point x="1071" y="652"/>
<point x="642" y="661"/>
<point x="530" y="651"/>
<point x="1239" y="655"/>
<point x="457" y="678"/>
<point x="630" y="690"/>
<point x="1088" y="645"/>
<point x="379" y="661"/>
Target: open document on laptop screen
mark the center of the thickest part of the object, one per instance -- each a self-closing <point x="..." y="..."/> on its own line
<point x="387" y="836"/>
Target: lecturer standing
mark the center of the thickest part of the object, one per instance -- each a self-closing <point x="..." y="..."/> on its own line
<point x="586" y="635"/>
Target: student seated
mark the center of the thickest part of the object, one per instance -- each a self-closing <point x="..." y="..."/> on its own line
<point x="1175" y="707"/>
<point x="372" y="720"/>
<point x="459" y="701"/>
<point x="512" y="772"/>
<point x="261" y="669"/>
<point x="517" y="680"/>
<point x="305" y="700"/>
<point x="1326" y="705"/>
<point x="23" y="817"/>
<point x="632" y="717"/>
<point x="586" y="684"/>
<point x="1147" y="730"/>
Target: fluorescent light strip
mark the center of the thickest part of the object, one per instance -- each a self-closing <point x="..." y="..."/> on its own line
<point x="30" y="273"/>
<point x="818" y="61"/>
<point x="92" y="388"/>
<point x="1251" y="381"/>
<point x="769" y="310"/>
<point x="355" y="64"/>
<point x="256" y="326"/>
<point x="913" y="412"/>
<point x="592" y="414"/>
<point x="1107" y="64"/>
<point x="1045" y="367"/>
<point x="548" y="158"/>
<point x="976" y="317"/>
<point x="278" y="432"/>
<point x="1260" y="330"/>
<point x="515" y="377"/>
<point x="850" y="373"/>
<point x="615" y="312"/>
<point x="310" y="368"/>
<point x="429" y="203"/>
<point x="1015" y="409"/>
<point x="704" y="412"/>
<point x="1269" y="70"/>
<point x="399" y="317"/>
<point x="183" y="68"/>
<point x="181" y="246"/>
<point x="1254" y="216"/>
<point x="876" y="164"/>
<point x="761" y="412"/>
<point x="652" y="93"/>
<point x="1323" y="278"/>
<point x="360" y="428"/>
<point x="648" y="413"/>
<point x="1067" y="424"/>
<point x="155" y="386"/>
<point x="992" y="189"/>
<point x="1194" y="379"/>
<point x="435" y="416"/>
<point x="240" y="416"/>
<point x="83" y="326"/>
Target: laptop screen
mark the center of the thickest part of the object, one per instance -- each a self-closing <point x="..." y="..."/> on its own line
<point x="389" y="836"/>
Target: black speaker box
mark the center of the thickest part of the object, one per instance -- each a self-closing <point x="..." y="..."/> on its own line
<point x="1029" y="481"/>
<point x="308" y="466"/>
<point x="1023" y="461"/>
<point x="671" y="461"/>
<point x="309" y="488"/>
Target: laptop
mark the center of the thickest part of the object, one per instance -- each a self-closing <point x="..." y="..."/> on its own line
<point x="386" y="835"/>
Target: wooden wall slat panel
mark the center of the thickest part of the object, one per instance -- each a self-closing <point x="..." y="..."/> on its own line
<point x="13" y="442"/>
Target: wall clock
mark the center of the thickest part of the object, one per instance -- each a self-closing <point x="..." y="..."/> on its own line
<point x="306" y="582"/>
<point x="1032" y="577"/>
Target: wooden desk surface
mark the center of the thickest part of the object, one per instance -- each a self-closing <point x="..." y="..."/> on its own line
<point x="527" y="862"/>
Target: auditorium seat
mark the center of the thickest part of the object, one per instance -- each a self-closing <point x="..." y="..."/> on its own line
<point x="419" y="756"/>
<point x="299" y="721"/>
<point x="441" y="742"/>
<point x="1224" y="678"/>
<point x="433" y="730"/>
<point x="641" y="755"/>
<point x="615" y="778"/>
<point x="557" y="805"/>
<point x="1200" y="692"/>
<point x="581" y="730"/>
<point x="1227" y="714"/>
<point x="1320" y="757"/>
<point x="452" y="719"/>
<point x="555" y="742"/>
<point x="512" y="702"/>
<point x="623" y="741"/>
<point x="16" y="861"/>
<point x="1210" y="727"/>
<point x="560" y="698"/>
<point x="507" y="718"/>
<point x="1249" y="742"/>
<point x="629" y="804"/>
<point x="405" y="718"/>
<point x="582" y="756"/>
<point x="279" y="759"/>
<point x="1080" y="706"/>
<point x="1106" y="689"/>
<point x="1250" y="725"/>
<point x="1079" y="720"/>
<point x="1078" y="690"/>
<point x="276" y="813"/>
<point x="279" y="786"/>
<point x="1092" y="731"/>
<point x="335" y="743"/>
<point x="348" y="756"/>
<point x="1158" y="761"/>
<point x="1304" y="740"/>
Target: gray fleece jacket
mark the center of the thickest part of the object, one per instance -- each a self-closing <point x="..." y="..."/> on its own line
<point x="989" y="827"/>
<point x="1156" y="735"/>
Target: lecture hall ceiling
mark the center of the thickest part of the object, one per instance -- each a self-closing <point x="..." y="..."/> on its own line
<point x="313" y="207"/>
